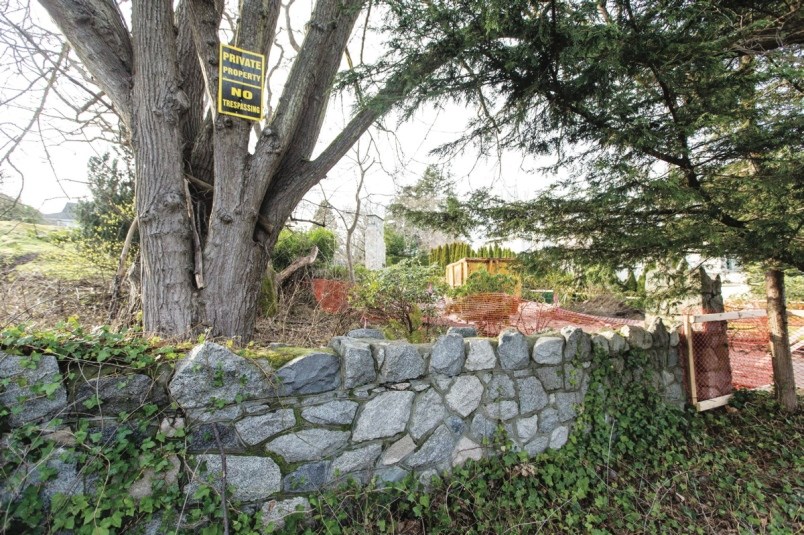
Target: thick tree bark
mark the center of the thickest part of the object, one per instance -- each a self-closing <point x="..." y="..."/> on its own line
<point x="192" y="83"/>
<point x="161" y="78"/>
<point x="165" y="232"/>
<point x="783" y="377"/>
<point x="235" y="255"/>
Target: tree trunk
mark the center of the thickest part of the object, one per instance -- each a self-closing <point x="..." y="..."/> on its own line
<point x="783" y="377"/>
<point x="165" y="245"/>
<point x="350" y="264"/>
<point x="232" y="294"/>
<point x="161" y="76"/>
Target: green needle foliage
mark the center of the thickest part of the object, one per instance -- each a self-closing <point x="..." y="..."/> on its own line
<point x="679" y="122"/>
<point x="105" y="219"/>
<point x="446" y="254"/>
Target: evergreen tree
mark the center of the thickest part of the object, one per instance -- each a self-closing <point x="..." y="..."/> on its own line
<point x="684" y="116"/>
<point x="660" y="103"/>
<point x="398" y="247"/>
<point x="631" y="284"/>
<point x="104" y="220"/>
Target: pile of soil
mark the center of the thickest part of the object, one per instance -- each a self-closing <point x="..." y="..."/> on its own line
<point x="607" y="306"/>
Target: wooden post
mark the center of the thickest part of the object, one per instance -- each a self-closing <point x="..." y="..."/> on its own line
<point x="691" y="361"/>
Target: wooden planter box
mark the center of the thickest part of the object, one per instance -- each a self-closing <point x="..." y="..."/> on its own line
<point x="459" y="271"/>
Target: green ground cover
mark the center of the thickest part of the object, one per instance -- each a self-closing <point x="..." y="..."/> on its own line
<point x="645" y="470"/>
<point x="632" y="465"/>
<point x="42" y="249"/>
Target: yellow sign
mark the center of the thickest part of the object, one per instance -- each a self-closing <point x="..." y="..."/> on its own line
<point x="241" y="77"/>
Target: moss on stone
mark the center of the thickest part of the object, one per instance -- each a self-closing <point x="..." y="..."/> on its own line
<point x="279" y="356"/>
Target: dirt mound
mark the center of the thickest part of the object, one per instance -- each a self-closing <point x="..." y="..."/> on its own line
<point x="607" y="306"/>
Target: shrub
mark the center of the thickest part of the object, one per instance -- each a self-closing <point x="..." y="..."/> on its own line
<point x="104" y="221"/>
<point x="482" y="281"/>
<point x="400" y="296"/>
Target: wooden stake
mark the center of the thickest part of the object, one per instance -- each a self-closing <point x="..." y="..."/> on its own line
<point x="713" y="403"/>
<point x="724" y="316"/>
<point x="691" y="361"/>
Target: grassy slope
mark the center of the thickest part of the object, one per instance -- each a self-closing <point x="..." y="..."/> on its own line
<point x="31" y="249"/>
<point x="12" y="209"/>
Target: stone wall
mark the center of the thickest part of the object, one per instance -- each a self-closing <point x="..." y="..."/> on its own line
<point x="364" y="408"/>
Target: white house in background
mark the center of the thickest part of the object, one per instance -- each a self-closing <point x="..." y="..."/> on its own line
<point x="368" y="239"/>
<point x="65" y="218"/>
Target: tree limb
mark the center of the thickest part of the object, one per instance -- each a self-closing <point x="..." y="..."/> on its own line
<point x="191" y="79"/>
<point x="99" y="37"/>
<point x="310" y="173"/>
<point x="121" y="268"/>
<point x="204" y="17"/>
<point x="296" y="265"/>
<point x="299" y="114"/>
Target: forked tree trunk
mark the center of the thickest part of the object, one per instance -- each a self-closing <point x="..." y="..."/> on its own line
<point x="783" y="377"/>
<point x="162" y="77"/>
<point x="234" y="277"/>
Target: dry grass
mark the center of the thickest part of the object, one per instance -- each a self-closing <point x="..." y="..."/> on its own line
<point x="299" y="320"/>
<point x="43" y="281"/>
<point x="33" y="249"/>
<point x="43" y="301"/>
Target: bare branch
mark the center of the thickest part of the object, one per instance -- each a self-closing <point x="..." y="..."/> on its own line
<point x="395" y="89"/>
<point x="99" y="36"/>
<point x="293" y="43"/>
<point x="14" y="142"/>
<point x="295" y="266"/>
